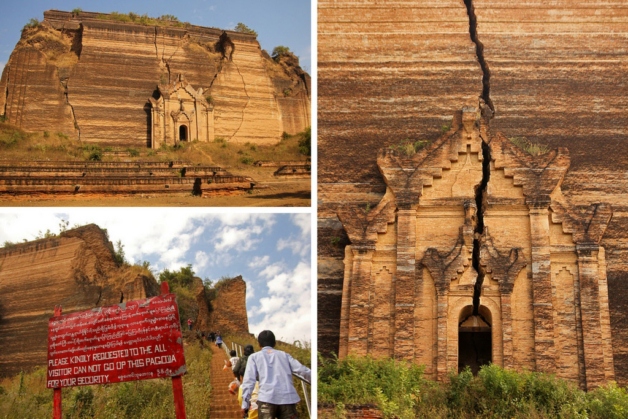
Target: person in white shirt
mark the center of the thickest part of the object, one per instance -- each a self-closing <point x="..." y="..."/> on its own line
<point x="277" y="397"/>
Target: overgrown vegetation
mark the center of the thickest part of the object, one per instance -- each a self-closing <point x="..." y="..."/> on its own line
<point x="305" y="143"/>
<point x="280" y="50"/>
<point x="32" y="23"/>
<point x="409" y="147"/>
<point x="163" y="20"/>
<point x="401" y="390"/>
<point x="241" y="27"/>
<point x="528" y="146"/>
<point x="26" y="396"/>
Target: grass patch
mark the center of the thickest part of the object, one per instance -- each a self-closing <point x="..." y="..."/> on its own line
<point x="409" y="147"/>
<point x="401" y="390"/>
<point x="534" y="149"/>
<point x="26" y="395"/>
<point x="164" y="20"/>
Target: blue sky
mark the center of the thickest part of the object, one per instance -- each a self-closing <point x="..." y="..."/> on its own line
<point x="272" y="252"/>
<point x="277" y="22"/>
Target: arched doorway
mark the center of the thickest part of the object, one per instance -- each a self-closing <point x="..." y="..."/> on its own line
<point x="183" y="133"/>
<point x="475" y="342"/>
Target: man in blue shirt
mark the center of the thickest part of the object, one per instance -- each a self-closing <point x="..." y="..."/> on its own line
<point x="277" y="397"/>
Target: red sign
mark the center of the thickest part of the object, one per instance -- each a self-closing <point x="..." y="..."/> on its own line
<point x="129" y="341"/>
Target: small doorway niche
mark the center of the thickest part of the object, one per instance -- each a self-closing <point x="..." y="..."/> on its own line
<point x="183" y="133"/>
<point x="475" y="342"/>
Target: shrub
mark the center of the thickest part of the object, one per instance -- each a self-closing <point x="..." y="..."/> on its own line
<point x="77" y="11"/>
<point x="3" y="118"/>
<point x="62" y="135"/>
<point x="335" y="241"/>
<point x="287" y="92"/>
<point x="241" y="27"/>
<point x="133" y="152"/>
<point x="408" y="147"/>
<point x="32" y="23"/>
<point x="285" y="135"/>
<point x="209" y="100"/>
<point x="528" y="146"/>
<point x="246" y="160"/>
<point x="305" y="143"/>
<point x="169" y="17"/>
<point x="445" y="128"/>
<point x="219" y="140"/>
<point x="253" y="147"/>
<point x="280" y="50"/>
<point x="46" y="134"/>
<point x="95" y="154"/>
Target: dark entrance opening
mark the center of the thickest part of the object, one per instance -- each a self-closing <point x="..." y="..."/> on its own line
<point x="183" y="133"/>
<point x="475" y="342"/>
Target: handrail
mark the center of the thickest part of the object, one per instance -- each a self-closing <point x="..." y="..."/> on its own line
<point x="239" y="348"/>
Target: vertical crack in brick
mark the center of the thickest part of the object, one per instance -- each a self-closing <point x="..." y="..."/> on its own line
<point x="247" y="102"/>
<point x="479" y="51"/>
<point x="6" y="91"/>
<point x="479" y="226"/>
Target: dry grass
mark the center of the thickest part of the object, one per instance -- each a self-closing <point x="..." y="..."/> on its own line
<point x="529" y="147"/>
<point x="26" y="395"/>
<point x="275" y="70"/>
<point x="17" y="144"/>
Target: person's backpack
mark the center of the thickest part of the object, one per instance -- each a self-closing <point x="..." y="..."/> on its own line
<point x="241" y="366"/>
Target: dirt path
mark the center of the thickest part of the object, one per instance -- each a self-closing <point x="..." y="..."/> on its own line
<point x="277" y="194"/>
<point x="223" y="404"/>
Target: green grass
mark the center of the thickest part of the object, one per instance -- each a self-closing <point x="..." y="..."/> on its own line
<point x="26" y="395"/>
<point x="401" y="390"/>
<point x="409" y="147"/>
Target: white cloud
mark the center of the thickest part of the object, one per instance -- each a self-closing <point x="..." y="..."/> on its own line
<point x="287" y="309"/>
<point x="303" y="221"/>
<point x="258" y="262"/>
<point x="272" y="270"/>
<point x="201" y="259"/>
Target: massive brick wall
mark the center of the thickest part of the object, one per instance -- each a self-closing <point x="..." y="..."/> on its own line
<point x="557" y="71"/>
<point x="229" y="308"/>
<point x="384" y="74"/>
<point x="117" y="67"/>
<point x="76" y="270"/>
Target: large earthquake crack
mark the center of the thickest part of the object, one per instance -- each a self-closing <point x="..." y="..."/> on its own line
<point x="479" y="51"/>
<point x="6" y="91"/>
<point x="479" y="226"/>
<point x="247" y="102"/>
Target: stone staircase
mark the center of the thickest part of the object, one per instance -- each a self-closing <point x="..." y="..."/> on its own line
<point x="145" y="177"/>
<point x="223" y="404"/>
<point x="294" y="171"/>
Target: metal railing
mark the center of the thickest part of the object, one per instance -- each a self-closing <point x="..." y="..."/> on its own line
<point x="304" y="383"/>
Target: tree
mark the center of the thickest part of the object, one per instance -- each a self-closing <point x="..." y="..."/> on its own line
<point x="241" y="27"/>
<point x="119" y="254"/>
<point x="63" y="225"/>
<point x="184" y="278"/>
<point x="280" y="50"/>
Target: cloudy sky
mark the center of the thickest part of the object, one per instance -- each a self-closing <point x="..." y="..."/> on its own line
<point x="272" y="252"/>
<point x="277" y="22"/>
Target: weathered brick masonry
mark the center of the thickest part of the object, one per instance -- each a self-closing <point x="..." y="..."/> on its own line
<point x="406" y="282"/>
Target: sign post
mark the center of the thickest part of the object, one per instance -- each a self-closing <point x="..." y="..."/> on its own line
<point x="130" y="341"/>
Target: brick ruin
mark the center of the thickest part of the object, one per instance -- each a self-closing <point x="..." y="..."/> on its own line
<point x="472" y="252"/>
<point x="100" y="81"/>
<point x="227" y="311"/>
<point x="547" y="72"/>
<point x="76" y="270"/>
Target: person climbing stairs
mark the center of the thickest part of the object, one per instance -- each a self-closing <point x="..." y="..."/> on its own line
<point x="223" y="404"/>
